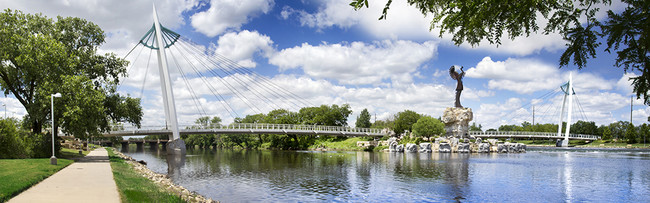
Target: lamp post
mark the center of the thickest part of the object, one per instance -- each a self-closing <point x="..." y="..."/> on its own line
<point x="53" y="158"/>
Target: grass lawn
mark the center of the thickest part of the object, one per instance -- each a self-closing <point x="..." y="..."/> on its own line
<point x="17" y="175"/>
<point x="133" y="187"/>
<point x="349" y="144"/>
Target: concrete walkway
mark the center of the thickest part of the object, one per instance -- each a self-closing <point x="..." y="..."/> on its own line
<point x="87" y="180"/>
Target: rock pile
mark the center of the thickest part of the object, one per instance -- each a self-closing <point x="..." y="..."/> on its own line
<point x="164" y="182"/>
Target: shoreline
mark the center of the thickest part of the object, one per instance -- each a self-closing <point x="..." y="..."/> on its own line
<point x="163" y="181"/>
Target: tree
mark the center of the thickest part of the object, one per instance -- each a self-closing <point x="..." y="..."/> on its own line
<point x="607" y="133"/>
<point x="584" y="127"/>
<point x="477" y="21"/>
<point x="404" y="121"/>
<point x="363" y="120"/>
<point x="40" y="56"/>
<point x="473" y="127"/>
<point x="644" y="131"/>
<point x="325" y="115"/>
<point x="428" y="126"/>
<point x="630" y="134"/>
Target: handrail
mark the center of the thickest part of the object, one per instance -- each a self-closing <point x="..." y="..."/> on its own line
<point x="529" y="134"/>
<point x="259" y="126"/>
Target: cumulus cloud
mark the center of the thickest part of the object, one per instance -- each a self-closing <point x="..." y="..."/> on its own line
<point x="518" y="75"/>
<point x="242" y="47"/>
<point x="230" y="14"/>
<point x="358" y="62"/>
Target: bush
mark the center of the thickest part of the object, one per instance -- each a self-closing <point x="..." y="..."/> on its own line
<point x="11" y="141"/>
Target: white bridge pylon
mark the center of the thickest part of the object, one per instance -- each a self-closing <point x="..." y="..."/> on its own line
<point x="568" y="91"/>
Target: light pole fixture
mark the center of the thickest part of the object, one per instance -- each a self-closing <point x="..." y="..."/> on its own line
<point x="53" y="158"/>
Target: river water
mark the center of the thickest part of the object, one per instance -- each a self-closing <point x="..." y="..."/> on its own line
<point x="540" y="175"/>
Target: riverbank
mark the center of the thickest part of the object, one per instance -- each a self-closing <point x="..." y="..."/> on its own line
<point x="137" y="183"/>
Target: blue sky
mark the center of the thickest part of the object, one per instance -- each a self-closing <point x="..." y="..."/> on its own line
<point x="327" y="53"/>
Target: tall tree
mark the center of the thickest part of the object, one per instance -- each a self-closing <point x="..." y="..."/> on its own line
<point x="428" y="126"/>
<point x="488" y="20"/>
<point x="40" y="56"/>
<point x="404" y="121"/>
<point x="325" y="115"/>
<point x="607" y="133"/>
<point x="630" y="134"/>
<point x="363" y="120"/>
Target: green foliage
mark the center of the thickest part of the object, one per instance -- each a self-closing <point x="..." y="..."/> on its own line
<point x="584" y="127"/>
<point x="41" y="56"/>
<point x="607" y="133"/>
<point x="473" y="127"/>
<point x="476" y="21"/>
<point x="339" y="143"/>
<point x="363" y="121"/>
<point x="630" y="134"/>
<point x="325" y="115"/>
<point x="11" y="141"/>
<point x="133" y="187"/>
<point x="644" y="131"/>
<point x="404" y="121"/>
<point x="17" y="175"/>
<point x="381" y="124"/>
<point x="428" y="126"/>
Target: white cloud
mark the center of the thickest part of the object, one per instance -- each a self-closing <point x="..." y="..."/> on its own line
<point x="228" y="14"/>
<point x="358" y="62"/>
<point x="241" y="47"/>
<point x="518" y="75"/>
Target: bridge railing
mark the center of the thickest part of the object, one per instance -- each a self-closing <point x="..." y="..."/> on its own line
<point x="535" y="134"/>
<point x="260" y="126"/>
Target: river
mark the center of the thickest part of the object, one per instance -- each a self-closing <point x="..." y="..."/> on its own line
<point x="540" y="175"/>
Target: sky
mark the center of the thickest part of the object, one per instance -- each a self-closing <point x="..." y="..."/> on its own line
<point x="324" y="52"/>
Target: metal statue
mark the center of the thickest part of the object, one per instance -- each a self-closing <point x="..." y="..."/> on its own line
<point x="459" y="80"/>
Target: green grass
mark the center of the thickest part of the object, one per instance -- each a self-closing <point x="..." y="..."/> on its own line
<point x="349" y="144"/>
<point x="17" y="175"/>
<point x="609" y="143"/>
<point x="133" y="187"/>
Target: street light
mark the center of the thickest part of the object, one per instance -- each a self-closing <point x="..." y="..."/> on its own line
<point x="53" y="158"/>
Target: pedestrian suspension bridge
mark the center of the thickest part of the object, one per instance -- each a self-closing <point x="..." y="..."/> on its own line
<point x="203" y="72"/>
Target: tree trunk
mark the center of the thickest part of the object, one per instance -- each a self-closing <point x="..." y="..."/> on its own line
<point x="36" y="127"/>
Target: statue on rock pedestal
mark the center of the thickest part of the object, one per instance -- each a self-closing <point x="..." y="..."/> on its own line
<point x="457" y="118"/>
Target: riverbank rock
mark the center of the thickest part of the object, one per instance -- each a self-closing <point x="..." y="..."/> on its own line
<point x="425" y="147"/>
<point x="411" y="147"/>
<point x="164" y="182"/>
<point x="456" y="121"/>
<point x="444" y="148"/>
<point x="483" y="148"/>
<point x="392" y="145"/>
<point x="463" y="147"/>
<point x="399" y="148"/>
<point x="502" y="148"/>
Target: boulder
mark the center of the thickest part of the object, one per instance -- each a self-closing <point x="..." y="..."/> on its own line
<point x="456" y="121"/>
<point x="425" y="147"/>
<point x="444" y="148"/>
<point x="493" y="142"/>
<point x="502" y="148"/>
<point x="410" y="147"/>
<point x="399" y="148"/>
<point x="483" y="148"/>
<point x="392" y="146"/>
<point x="463" y="148"/>
<point x="512" y="147"/>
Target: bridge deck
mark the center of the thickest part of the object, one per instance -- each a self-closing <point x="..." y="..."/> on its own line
<point x="520" y="134"/>
<point x="247" y="128"/>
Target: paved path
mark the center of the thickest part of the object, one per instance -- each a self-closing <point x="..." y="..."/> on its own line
<point x="88" y="180"/>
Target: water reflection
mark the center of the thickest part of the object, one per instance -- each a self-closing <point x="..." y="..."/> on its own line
<point x="300" y="176"/>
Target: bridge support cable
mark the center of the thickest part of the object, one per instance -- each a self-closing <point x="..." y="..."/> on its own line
<point x="231" y="65"/>
<point x="195" y="99"/>
<point x="516" y="114"/>
<point x="244" y="84"/>
<point x="130" y="67"/>
<point x="193" y="50"/>
<point x="146" y="71"/>
<point x="217" y="95"/>
<point x="581" y="110"/>
<point x="223" y="81"/>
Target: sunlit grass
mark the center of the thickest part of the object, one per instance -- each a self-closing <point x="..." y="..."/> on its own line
<point x="17" y="175"/>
